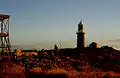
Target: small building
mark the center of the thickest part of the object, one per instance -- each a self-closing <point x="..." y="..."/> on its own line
<point x="20" y="52"/>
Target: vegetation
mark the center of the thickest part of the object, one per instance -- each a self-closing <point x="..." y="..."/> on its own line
<point x="94" y="63"/>
<point x="51" y="70"/>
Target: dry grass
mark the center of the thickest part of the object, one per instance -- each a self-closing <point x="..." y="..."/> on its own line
<point x="61" y="72"/>
<point x="17" y="71"/>
<point x="74" y="74"/>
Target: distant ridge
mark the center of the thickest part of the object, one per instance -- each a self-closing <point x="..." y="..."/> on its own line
<point x="64" y="44"/>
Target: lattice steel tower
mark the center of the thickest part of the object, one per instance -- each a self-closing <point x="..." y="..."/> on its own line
<point x="4" y="34"/>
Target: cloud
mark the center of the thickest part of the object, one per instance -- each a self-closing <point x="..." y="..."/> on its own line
<point x="48" y="44"/>
<point x="115" y="40"/>
<point x="115" y="43"/>
<point x="67" y="44"/>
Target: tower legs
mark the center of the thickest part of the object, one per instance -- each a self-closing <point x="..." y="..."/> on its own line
<point x="4" y="34"/>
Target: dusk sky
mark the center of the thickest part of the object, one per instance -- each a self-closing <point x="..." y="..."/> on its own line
<point x="43" y="23"/>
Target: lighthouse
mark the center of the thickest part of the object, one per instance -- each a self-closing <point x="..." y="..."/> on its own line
<point x="80" y="36"/>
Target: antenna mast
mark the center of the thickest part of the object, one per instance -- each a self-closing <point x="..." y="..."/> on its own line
<point x="60" y="44"/>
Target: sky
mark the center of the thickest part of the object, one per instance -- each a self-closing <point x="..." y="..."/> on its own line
<point x="43" y="23"/>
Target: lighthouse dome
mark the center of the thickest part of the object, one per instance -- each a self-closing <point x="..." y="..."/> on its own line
<point x="81" y="23"/>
